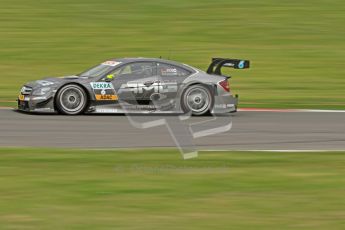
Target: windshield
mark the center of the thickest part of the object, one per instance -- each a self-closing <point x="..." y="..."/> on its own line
<point x="100" y="70"/>
<point x="97" y="71"/>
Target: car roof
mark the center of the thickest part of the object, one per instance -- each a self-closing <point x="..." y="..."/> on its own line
<point x="139" y="59"/>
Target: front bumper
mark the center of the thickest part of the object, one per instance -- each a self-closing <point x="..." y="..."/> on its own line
<point x="29" y="103"/>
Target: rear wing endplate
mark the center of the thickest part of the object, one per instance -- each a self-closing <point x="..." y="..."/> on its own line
<point x="217" y="64"/>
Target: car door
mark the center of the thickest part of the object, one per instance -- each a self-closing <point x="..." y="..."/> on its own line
<point x="134" y="82"/>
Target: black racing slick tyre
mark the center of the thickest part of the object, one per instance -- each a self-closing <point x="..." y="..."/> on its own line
<point x="197" y="100"/>
<point x="71" y="100"/>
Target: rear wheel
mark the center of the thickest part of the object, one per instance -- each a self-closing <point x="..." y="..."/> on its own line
<point x="71" y="100"/>
<point x="197" y="99"/>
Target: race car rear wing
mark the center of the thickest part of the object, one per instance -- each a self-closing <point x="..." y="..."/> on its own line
<point x="217" y="64"/>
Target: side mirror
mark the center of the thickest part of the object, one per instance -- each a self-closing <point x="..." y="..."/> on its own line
<point x="109" y="78"/>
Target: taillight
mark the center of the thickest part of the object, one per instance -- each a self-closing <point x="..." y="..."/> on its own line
<point x="225" y="85"/>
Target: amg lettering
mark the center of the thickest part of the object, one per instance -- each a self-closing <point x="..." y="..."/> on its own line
<point x="139" y="88"/>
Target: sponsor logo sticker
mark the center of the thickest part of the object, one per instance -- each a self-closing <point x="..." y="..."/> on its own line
<point x="101" y="85"/>
<point x="111" y="63"/>
<point x="21" y="97"/>
<point x="169" y="72"/>
<point x="105" y="110"/>
<point x="104" y="91"/>
<point x="107" y="97"/>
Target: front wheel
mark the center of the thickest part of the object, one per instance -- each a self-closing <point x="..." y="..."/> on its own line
<point x="71" y="100"/>
<point x="197" y="99"/>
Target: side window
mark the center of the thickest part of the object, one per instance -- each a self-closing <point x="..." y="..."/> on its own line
<point x="140" y="69"/>
<point x="166" y="70"/>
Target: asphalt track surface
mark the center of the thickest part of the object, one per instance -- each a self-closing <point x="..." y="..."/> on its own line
<point x="249" y="131"/>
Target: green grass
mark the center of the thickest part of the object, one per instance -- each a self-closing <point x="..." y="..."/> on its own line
<point x="155" y="189"/>
<point x="297" y="47"/>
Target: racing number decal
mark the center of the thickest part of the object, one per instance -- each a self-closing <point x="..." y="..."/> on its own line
<point x="104" y="91"/>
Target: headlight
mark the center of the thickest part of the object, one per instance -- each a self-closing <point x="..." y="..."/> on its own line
<point x="41" y="91"/>
<point x="26" y="90"/>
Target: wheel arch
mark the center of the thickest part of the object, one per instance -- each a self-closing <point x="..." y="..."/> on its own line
<point x="212" y="87"/>
<point x="87" y="92"/>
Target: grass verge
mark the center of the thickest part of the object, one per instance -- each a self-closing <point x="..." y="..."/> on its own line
<point x="155" y="189"/>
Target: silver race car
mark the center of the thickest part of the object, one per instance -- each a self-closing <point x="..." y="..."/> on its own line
<point x="135" y="85"/>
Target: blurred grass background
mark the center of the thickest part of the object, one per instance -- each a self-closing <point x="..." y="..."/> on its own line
<point x="297" y="47"/>
<point x="155" y="189"/>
